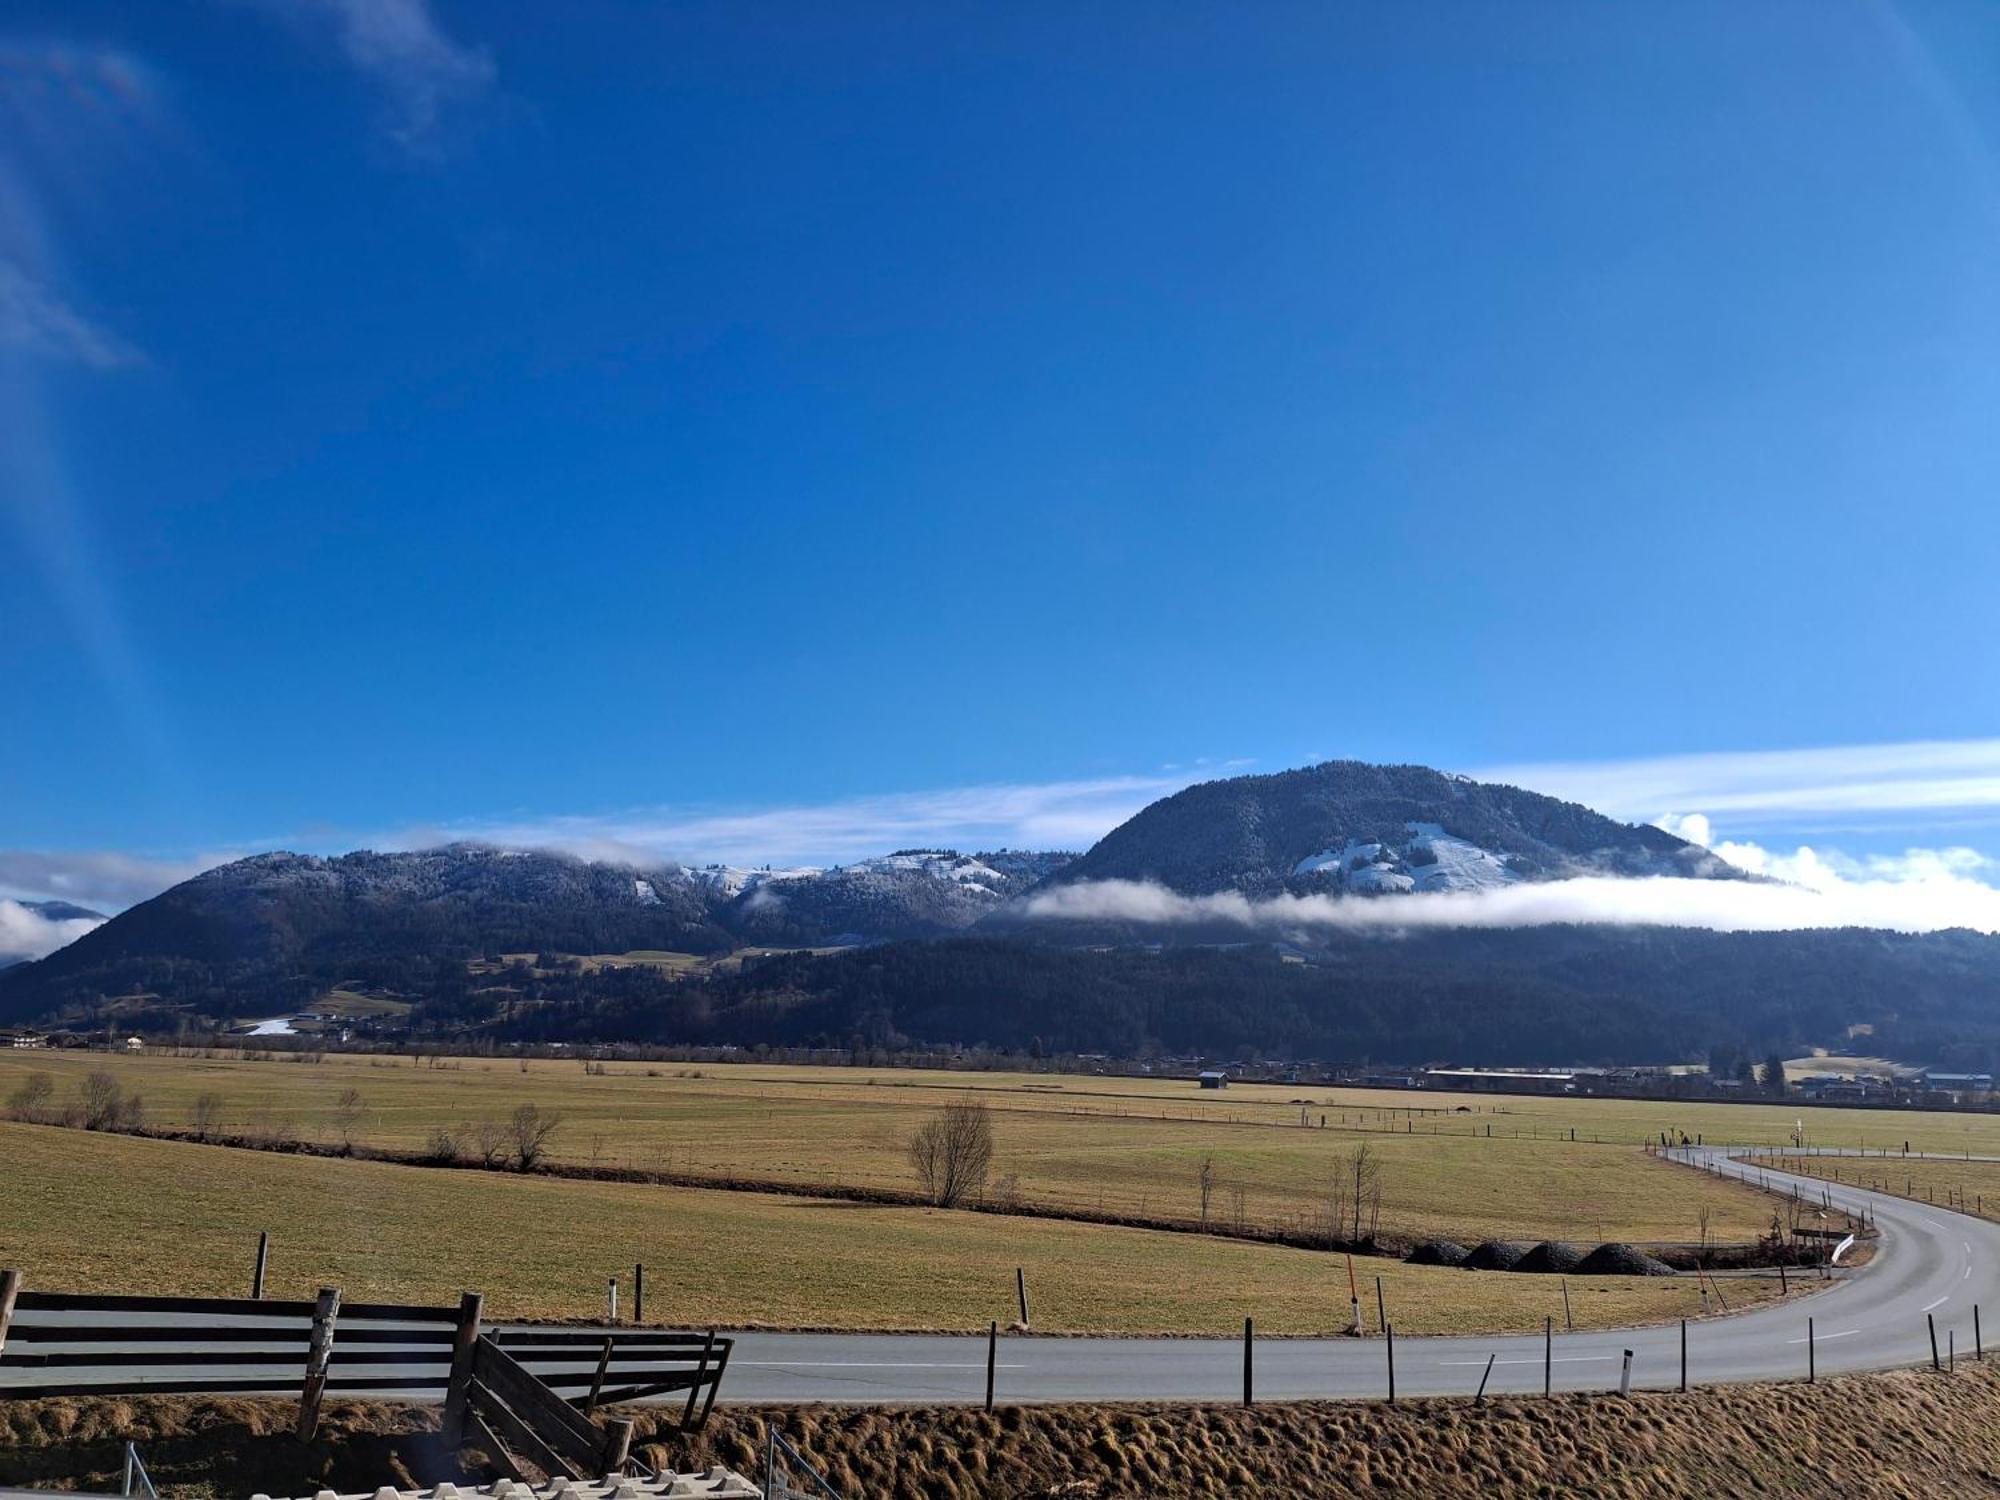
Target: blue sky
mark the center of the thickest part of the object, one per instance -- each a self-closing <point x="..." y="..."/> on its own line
<point x="733" y="428"/>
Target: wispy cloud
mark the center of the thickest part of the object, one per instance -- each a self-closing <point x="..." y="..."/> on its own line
<point x="25" y="933"/>
<point x="1047" y="815"/>
<point x="423" y="75"/>
<point x="36" y="319"/>
<point x="1918" y="782"/>
<point x="102" y="880"/>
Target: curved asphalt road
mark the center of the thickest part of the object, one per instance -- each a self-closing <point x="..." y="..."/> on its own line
<point x="1931" y="1262"/>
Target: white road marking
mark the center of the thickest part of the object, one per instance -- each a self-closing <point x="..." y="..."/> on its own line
<point x="1939" y="1303"/>
<point x="1561" y="1359"/>
<point x="856" y="1364"/>
<point x="1847" y="1333"/>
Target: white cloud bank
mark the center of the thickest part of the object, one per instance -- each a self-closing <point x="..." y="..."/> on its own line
<point x="101" y="880"/>
<point x="1926" y="891"/>
<point x="25" y="933"/>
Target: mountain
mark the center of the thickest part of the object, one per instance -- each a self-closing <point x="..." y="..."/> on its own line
<point x="1346" y="826"/>
<point x="911" y="893"/>
<point x="276" y="929"/>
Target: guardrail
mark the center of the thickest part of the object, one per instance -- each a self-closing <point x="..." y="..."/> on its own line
<point x="64" y="1344"/>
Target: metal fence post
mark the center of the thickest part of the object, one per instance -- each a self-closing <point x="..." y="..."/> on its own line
<point x="1247" y="1344"/>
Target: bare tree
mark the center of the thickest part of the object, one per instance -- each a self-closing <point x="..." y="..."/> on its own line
<point x="489" y="1142"/>
<point x="952" y="1152"/>
<point x="1204" y="1181"/>
<point x="103" y="1101"/>
<point x="1702" y="1217"/>
<point x="346" y="1115"/>
<point x="207" y="1116"/>
<point x="31" y="1097"/>
<point x="528" y="1134"/>
<point x="445" y="1146"/>
<point x="1365" y="1177"/>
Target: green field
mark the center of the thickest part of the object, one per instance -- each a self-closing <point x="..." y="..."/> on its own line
<point x="1095" y="1145"/>
<point x="85" y="1211"/>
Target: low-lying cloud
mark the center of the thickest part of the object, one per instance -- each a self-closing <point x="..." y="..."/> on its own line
<point x="27" y="933"/>
<point x="1924" y="890"/>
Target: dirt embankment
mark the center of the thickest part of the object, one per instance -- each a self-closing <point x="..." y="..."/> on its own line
<point x="1909" y="1434"/>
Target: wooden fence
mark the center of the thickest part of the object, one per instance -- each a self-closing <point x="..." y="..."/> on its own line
<point x="63" y="1344"/>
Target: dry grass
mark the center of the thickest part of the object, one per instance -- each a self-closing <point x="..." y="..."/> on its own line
<point x="1973" y="1187"/>
<point x="1899" y="1436"/>
<point x="1129" y="1147"/>
<point x="115" y="1213"/>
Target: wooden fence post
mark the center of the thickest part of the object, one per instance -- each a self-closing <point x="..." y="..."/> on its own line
<point x="458" y="1391"/>
<point x="617" y="1444"/>
<point x="319" y="1350"/>
<point x="992" y="1358"/>
<point x="10" y="1290"/>
<point x="700" y="1375"/>
<point x="263" y="1258"/>
<point x="597" y="1380"/>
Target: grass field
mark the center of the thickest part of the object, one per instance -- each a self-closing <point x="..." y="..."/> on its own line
<point x="1971" y="1186"/>
<point x="1118" y="1146"/>
<point x="115" y="1213"/>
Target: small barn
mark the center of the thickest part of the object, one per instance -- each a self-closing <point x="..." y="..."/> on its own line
<point x="1214" y="1078"/>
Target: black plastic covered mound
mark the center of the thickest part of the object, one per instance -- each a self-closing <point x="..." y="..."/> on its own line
<point x="1550" y="1255"/>
<point x="1495" y="1255"/>
<point x="1439" y="1253"/>
<point x="1622" y="1260"/>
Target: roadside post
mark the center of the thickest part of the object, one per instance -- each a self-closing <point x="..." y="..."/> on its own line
<point x="1625" y="1376"/>
<point x="1812" y="1353"/>
<point x="319" y="1350"/>
<point x="263" y="1257"/>
<point x="639" y="1293"/>
<point x="10" y="1291"/>
<point x="458" y="1391"/>
<point x="1247" y="1345"/>
<point x="1480" y="1399"/>
<point x="1381" y="1307"/>
<point x="1684" y="1354"/>
<point x="1021" y="1291"/>
<point x="1931" y="1319"/>
<point x="1389" y="1334"/>
<point x="1353" y="1297"/>
<point x="1548" y="1356"/>
<point x="992" y="1358"/>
